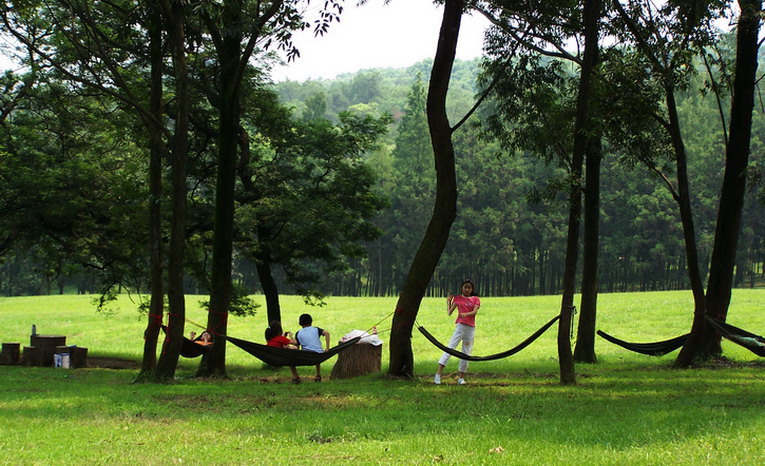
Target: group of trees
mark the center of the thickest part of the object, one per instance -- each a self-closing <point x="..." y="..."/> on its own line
<point x="144" y="148"/>
<point x="163" y="130"/>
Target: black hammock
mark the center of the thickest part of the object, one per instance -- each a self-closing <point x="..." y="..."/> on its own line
<point x="491" y="357"/>
<point x="660" y="348"/>
<point x="750" y="341"/>
<point x="278" y="357"/>
<point x="190" y="349"/>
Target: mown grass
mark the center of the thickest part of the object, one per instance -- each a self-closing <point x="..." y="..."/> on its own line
<point x="627" y="409"/>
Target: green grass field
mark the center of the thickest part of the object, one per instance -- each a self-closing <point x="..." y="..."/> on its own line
<point x="627" y="409"/>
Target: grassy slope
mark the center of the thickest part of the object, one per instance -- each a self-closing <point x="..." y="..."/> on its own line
<point x="628" y="409"/>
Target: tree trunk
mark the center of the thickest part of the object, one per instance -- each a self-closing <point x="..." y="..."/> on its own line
<point x="168" y="360"/>
<point x="728" y="227"/>
<point x="270" y="290"/>
<point x="445" y="209"/>
<point x="156" y="306"/>
<point x="686" y="355"/>
<point x="582" y="127"/>
<point x="585" y="337"/>
<point x="263" y="257"/>
<point x="214" y="361"/>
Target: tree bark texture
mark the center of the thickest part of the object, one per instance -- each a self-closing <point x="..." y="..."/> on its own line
<point x="685" y="357"/>
<point x="728" y="227"/>
<point x="584" y="350"/>
<point x="168" y="360"/>
<point x="157" y="153"/>
<point x="445" y="209"/>
<point x="582" y="127"/>
<point x="214" y="361"/>
<point x="270" y="290"/>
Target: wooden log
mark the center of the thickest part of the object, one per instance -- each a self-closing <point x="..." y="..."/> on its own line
<point x="78" y="357"/>
<point x="359" y="359"/>
<point x="47" y="344"/>
<point x="32" y="356"/>
<point x="11" y="354"/>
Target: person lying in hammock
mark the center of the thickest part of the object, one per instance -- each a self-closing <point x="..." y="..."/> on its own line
<point x="278" y="338"/>
<point x="204" y="340"/>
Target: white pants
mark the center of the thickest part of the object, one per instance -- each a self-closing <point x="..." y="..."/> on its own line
<point x="465" y="334"/>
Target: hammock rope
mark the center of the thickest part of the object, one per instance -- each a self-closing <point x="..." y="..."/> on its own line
<point x="491" y="357"/>
<point x="659" y="348"/>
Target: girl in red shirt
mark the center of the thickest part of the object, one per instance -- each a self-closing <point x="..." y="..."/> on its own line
<point x="278" y="338"/>
<point x="467" y="305"/>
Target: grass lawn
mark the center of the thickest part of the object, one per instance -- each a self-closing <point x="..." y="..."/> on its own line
<point x="627" y="409"/>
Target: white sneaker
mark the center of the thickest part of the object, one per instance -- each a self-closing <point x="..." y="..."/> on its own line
<point x="437" y="379"/>
<point x="461" y="381"/>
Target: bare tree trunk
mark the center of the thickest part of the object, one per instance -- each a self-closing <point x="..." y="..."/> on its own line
<point x="214" y="361"/>
<point x="156" y="307"/>
<point x="168" y="360"/>
<point x="728" y="227"/>
<point x="270" y="290"/>
<point x="445" y="209"/>
<point x="585" y="336"/>
<point x="685" y="357"/>
<point x="582" y="127"/>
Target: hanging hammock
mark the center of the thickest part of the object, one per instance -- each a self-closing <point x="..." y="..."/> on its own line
<point x="504" y="354"/>
<point x="278" y="357"/>
<point x="190" y="349"/>
<point x="750" y="341"/>
<point x="660" y="348"/>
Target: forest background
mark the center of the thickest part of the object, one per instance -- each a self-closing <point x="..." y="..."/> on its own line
<point x="509" y="235"/>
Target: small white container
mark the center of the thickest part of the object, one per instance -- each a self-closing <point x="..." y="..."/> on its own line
<point x="61" y="360"/>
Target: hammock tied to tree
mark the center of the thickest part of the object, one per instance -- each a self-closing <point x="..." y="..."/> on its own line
<point x="491" y="357"/>
<point x="750" y="341"/>
<point x="189" y="348"/>
<point x="279" y="357"/>
<point x="659" y="348"/>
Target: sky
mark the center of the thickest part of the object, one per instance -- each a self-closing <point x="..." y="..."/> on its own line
<point x="375" y="35"/>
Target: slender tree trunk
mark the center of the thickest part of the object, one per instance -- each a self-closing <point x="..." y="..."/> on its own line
<point x="263" y="257"/>
<point x="156" y="306"/>
<point x="686" y="215"/>
<point x="582" y="127"/>
<point x="585" y="337"/>
<point x="728" y="227"/>
<point x="176" y="299"/>
<point x="445" y="209"/>
<point x="214" y="361"/>
<point x="270" y="290"/>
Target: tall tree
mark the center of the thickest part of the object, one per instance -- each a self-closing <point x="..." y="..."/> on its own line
<point x="703" y="340"/>
<point x="445" y="209"/>
<point x="236" y="28"/>
<point x="590" y="137"/>
<point x="175" y="14"/>
<point x="664" y="36"/>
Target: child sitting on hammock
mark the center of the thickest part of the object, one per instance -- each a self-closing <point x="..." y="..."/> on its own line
<point x="278" y="338"/>
<point x="309" y="339"/>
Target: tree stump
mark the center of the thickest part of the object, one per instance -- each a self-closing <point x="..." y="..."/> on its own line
<point x="11" y="354"/>
<point x="47" y="345"/>
<point x="78" y="357"/>
<point x="32" y="356"/>
<point x="356" y="360"/>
